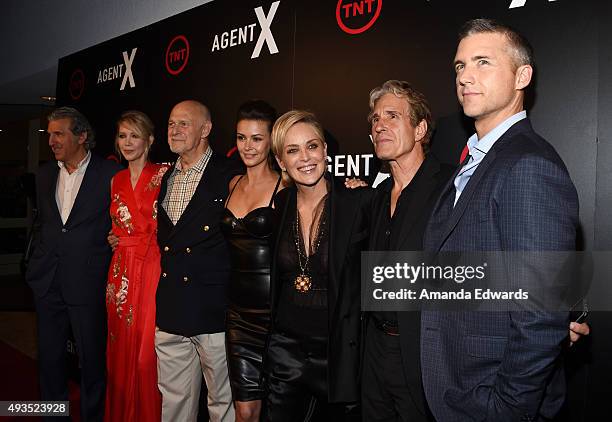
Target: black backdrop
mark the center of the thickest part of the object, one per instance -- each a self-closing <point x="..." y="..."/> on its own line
<point x="327" y="64"/>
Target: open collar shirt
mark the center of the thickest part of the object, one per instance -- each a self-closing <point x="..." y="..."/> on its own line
<point x="182" y="184"/>
<point x="68" y="185"/>
<point x="478" y="149"/>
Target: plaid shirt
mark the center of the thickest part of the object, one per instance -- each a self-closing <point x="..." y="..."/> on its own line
<point x="182" y="185"/>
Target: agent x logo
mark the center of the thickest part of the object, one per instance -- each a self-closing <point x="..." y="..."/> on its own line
<point x="117" y="71"/>
<point x="128" y="76"/>
<point x="265" y="22"/>
<point x="246" y="34"/>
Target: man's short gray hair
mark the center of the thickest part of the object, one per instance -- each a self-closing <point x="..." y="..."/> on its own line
<point x="78" y="123"/>
<point x="521" y="49"/>
<point x="418" y="106"/>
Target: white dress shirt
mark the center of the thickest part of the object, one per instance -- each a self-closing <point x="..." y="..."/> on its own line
<point x="68" y="186"/>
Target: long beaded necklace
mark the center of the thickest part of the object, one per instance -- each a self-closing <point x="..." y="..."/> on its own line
<point x="303" y="282"/>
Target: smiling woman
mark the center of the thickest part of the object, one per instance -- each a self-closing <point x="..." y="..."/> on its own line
<point x="134" y="139"/>
<point x="131" y="391"/>
<point x="247" y="225"/>
<point x="312" y="360"/>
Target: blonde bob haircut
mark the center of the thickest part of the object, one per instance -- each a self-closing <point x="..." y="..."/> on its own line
<point x="286" y="122"/>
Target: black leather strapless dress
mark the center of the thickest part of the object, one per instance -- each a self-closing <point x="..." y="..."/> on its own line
<point x="248" y="315"/>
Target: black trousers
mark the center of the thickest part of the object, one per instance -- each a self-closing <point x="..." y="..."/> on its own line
<point x="385" y="394"/>
<point x="88" y="322"/>
<point x="296" y="382"/>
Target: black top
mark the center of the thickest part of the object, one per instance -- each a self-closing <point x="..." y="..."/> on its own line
<point x="248" y="239"/>
<point x="349" y="222"/>
<point x="387" y="236"/>
<point x="303" y="313"/>
<point x="257" y="223"/>
<point x="406" y="230"/>
<point x="387" y="233"/>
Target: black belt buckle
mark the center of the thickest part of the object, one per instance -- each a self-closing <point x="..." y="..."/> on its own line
<point x="386" y="327"/>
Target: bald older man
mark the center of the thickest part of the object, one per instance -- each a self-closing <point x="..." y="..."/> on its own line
<point x="190" y="338"/>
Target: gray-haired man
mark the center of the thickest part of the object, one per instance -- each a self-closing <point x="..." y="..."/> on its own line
<point x="68" y="267"/>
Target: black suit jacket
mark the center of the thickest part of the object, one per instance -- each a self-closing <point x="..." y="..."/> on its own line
<point x="426" y="187"/>
<point x="349" y="224"/>
<point x="76" y="253"/>
<point x="195" y="266"/>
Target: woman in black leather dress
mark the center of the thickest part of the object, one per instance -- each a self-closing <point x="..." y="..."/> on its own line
<point x="312" y="359"/>
<point x="247" y="225"/>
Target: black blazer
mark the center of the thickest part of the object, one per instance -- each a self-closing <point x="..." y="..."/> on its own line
<point x="195" y="266"/>
<point x="76" y="253"/>
<point x="432" y="179"/>
<point x="349" y="223"/>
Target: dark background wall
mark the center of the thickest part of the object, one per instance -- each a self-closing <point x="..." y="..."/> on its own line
<point x="36" y="33"/>
<point x="323" y="68"/>
<point x="598" y="358"/>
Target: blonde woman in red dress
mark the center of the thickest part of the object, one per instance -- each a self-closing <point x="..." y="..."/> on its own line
<point x="131" y="392"/>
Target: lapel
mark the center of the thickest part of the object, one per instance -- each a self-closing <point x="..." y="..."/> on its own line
<point x="211" y="177"/>
<point x="52" y="189"/>
<point x="457" y="212"/>
<point x="341" y="220"/>
<point x="442" y="203"/>
<point x="424" y="189"/>
<point x="163" y="189"/>
<point x="90" y="181"/>
<point x="473" y="184"/>
<point x="138" y="193"/>
<point x="286" y="199"/>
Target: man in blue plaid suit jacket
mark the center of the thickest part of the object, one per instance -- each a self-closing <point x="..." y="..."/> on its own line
<point x="512" y="193"/>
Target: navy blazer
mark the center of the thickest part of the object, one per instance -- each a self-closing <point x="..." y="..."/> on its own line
<point x="195" y="265"/>
<point x="501" y="366"/>
<point x="76" y="253"/>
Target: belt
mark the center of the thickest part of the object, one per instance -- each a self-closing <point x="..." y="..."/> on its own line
<point x="133" y="240"/>
<point x="387" y="327"/>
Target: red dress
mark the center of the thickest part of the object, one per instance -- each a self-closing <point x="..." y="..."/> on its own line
<point x="131" y="392"/>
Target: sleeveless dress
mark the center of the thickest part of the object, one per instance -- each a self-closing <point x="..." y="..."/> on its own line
<point x="131" y="391"/>
<point x="248" y="315"/>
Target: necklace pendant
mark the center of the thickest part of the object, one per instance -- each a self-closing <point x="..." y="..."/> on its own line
<point x="302" y="283"/>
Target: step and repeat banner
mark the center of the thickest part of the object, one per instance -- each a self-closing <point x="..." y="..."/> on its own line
<point x="326" y="56"/>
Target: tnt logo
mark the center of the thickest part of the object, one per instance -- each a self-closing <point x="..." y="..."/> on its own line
<point x="177" y="55"/>
<point x="355" y="17"/>
<point x="76" y="86"/>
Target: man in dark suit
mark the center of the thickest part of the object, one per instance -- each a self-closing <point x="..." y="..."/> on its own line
<point x="68" y="268"/>
<point x="401" y="129"/>
<point x="191" y="295"/>
<point x="513" y="193"/>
